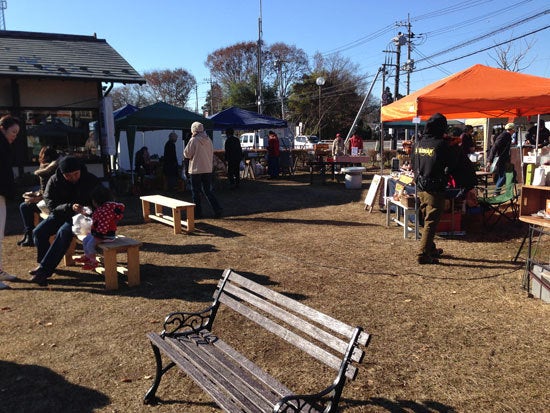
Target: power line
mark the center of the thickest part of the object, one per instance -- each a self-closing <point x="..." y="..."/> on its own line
<point x="474" y="20"/>
<point x="489" y="34"/>
<point x="484" y="49"/>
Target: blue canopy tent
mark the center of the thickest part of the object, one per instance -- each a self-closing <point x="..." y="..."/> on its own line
<point x="124" y="111"/>
<point x="241" y="119"/>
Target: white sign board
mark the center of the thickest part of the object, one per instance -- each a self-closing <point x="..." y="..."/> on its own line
<point x="369" y="199"/>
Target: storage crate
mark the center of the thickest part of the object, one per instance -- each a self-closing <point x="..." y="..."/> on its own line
<point x="450" y="222"/>
<point x="539" y="283"/>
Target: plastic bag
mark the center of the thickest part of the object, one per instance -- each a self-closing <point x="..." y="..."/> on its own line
<point x="43" y="207"/>
<point x="82" y="224"/>
<point x="539" y="177"/>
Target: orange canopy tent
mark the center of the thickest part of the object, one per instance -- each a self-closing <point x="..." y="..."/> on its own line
<point x="477" y="92"/>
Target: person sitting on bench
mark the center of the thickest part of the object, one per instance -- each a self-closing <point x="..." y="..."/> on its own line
<point x="67" y="192"/>
<point x="48" y="159"/>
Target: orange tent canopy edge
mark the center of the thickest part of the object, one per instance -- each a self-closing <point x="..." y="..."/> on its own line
<point x="477" y="92"/>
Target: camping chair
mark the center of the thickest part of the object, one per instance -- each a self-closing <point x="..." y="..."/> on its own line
<point x="500" y="205"/>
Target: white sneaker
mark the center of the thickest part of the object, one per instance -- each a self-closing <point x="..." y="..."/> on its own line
<point x="4" y="276"/>
<point x="2" y="285"/>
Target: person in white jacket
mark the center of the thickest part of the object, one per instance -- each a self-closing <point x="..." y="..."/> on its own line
<point x="200" y="153"/>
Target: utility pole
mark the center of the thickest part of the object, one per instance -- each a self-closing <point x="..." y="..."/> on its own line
<point x="399" y="41"/>
<point x="3" y="6"/>
<point x="209" y="80"/>
<point x="260" y="109"/>
<point x="196" y="98"/>
<point x="409" y="65"/>
<point x="279" y="67"/>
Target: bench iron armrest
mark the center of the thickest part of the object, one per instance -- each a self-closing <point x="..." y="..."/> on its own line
<point x="325" y="401"/>
<point x="182" y="323"/>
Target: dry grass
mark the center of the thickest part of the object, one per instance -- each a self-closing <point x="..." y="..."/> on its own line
<point x="460" y="336"/>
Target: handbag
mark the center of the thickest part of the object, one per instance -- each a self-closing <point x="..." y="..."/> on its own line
<point x="494" y="164"/>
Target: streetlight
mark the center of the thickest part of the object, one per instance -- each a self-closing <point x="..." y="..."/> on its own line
<point x="320" y="81"/>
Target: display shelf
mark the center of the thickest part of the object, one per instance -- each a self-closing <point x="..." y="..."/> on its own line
<point x="403" y="214"/>
<point x="533" y="199"/>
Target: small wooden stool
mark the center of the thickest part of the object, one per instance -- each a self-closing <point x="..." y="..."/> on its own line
<point x="110" y="269"/>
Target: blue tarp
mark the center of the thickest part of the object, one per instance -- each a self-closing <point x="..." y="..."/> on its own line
<point x="241" y="119"/>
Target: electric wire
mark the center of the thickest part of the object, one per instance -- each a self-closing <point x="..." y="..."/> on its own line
<point x="484" y="49"/>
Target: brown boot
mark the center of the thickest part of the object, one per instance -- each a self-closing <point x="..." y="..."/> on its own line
<point x="427" y="259"/>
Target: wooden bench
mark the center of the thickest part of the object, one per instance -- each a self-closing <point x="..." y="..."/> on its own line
<point x="233" y="381"/>
<point x="110" y="268"/>
<point x="160" y="201"/>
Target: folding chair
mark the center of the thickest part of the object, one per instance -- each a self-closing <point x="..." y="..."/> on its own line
<point x="500" y="205"/>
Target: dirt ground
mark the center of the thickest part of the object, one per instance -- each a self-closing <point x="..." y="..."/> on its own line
<point x="461" y="336"/>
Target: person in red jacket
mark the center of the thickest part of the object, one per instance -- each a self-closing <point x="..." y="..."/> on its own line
<point x="273" y="155"/>
<point x="356" y="142"/>
<point x="105" y="217"/>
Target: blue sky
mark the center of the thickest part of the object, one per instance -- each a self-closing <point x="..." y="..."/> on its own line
<point x="169" y="34"/>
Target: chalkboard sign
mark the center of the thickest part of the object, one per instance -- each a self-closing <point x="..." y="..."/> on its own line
<point x="369" y="200"/>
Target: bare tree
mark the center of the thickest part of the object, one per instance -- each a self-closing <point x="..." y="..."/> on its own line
<point x="511" y="58"/>
<point x="170" y="86"/>
<point x="292" y="62"/>
<point x="136" y="95"/>
<point x="233" y="64"/>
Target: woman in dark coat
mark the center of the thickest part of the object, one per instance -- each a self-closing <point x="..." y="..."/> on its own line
<point x="9" y="129"/>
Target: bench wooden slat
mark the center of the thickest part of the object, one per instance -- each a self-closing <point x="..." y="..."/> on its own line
<point x="302" y="325"/>
<point x="293" y="305"/>
<point x="202" y="380"/>
<point x="246" y="390"/>
<point x="269" y="380"/>
<point x="293" y="338"/>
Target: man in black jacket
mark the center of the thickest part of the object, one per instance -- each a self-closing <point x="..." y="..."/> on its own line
<point x="66" y="193"/>
<point x="501" y="152"/>
<point x="233" y="157"/>
<point x="432" y="159"/>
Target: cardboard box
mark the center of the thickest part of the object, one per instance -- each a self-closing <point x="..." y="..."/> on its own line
<point x="530" y="159"/>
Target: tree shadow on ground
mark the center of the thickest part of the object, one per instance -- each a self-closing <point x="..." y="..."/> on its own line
<point x="399" y="406"/>
<point x="32" y="388"/>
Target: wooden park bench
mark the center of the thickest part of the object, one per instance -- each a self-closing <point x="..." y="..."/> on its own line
<point x="111" y="269"/>
<point x="236" y="383"/>
<point x="174" y="220"/>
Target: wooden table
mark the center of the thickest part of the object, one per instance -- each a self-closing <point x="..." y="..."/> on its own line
<point x="176" y="205"/>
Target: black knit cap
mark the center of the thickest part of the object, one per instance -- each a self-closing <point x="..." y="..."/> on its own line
<point x="436" y="126"/>
<point x="69" y="164"/>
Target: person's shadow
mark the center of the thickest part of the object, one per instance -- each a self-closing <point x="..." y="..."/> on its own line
<point x="31" y="388"/>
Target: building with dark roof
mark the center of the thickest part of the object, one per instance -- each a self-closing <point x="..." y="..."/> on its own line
<point x="55" y="83"/>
